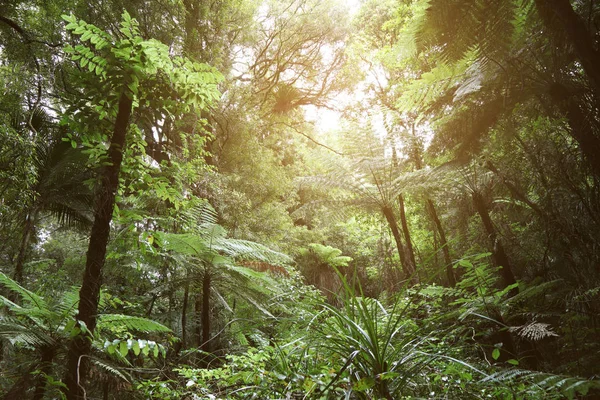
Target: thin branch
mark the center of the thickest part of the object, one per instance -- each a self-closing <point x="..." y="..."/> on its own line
<point x="298" y="131"/>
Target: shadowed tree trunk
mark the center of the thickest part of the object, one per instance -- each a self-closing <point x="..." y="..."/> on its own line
<point x="205" y="317"/>
<point x="45" y="368"/>
<point x="89" y="294"/>
<point x="198" y="299"/>
<point x="391" y="219"/>
<point x="443" y="243"/>
<point x="498" y="254"/>
<point x="20" y="261"/>
<point x="409" y="245"/>
<point x="184" y="307"/>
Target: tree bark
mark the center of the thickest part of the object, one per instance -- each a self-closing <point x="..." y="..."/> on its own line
<point x="443" y="242"/>
<point x="198" y="318"/>
<point x="206" y="284"/>
<point x="89" y="294"/>
<point x="45" y="369"/>
<point x="498" y="254"/>
<point x="184" y="307"/>
<point x="391" y="219"/>
<point x="20" y="261"/>
<point x="409" y="246"/>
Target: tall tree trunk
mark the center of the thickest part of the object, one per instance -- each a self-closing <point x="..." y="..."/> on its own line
<point x="199" y="298"/>
<point x="409" y="245"/>
<point x="184" y="308"/>
<point x="391" y="219"/>
<point x="89" y="294"/>
<point x="205" y="317"/>
<point x="443" y="242"/>
<point x="20" y="261"/>
<point x="45" y="369"/>
<point x="498" y="254"/>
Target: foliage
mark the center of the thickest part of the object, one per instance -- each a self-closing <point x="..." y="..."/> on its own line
<point x="393" y="200"/>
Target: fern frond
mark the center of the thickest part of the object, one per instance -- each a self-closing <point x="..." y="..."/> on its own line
<point x="247" y="250"/>
<point x="25" y="295"/>
<point x="187" y="244"/>
<point x="568" y="386"/>
<point x="198" y="214"/>
<point x="111" y="370"/>
<point x="533" y="331"/>
<point x="138" y="324"/>
<point x="18" y="334"/>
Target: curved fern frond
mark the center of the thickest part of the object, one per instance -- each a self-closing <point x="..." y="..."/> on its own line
<point x="247" y="250"/>
<point x="26" y="296"/>
<point x="111" y="369"/>
<point x="137" y="324"/>
<point x="568" y="386"/>
<point x="16" y="333"/>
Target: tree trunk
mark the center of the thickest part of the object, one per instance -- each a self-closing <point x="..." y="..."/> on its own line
<point x="391" y="219"/>
<point x="205" y="317"/>
<point x="89" y="294"/>
<point x="409" y="246"/>
<point x="45" y="369"/>
<point x="184" y="307"/>
<point x="443" y="242"/>
<point x="198" y="318"/>
<point x="20" y="262"/>
<point x="498" y="254"/>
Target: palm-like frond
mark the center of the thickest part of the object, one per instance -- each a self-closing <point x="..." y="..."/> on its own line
<point x="457" y="26"/>
<point x="26" y="296"/>
<point x="18" y="333"/>
<point x="135" y="324"/>
<point x="567" y="386"/>
<point x="212" y="241"/>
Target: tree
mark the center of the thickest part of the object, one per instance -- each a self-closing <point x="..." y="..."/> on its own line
<point x="373" y="181"/>
<point x="44" y="326"/>
<point x="127" y="72"/>
<point x="215" y="262"/>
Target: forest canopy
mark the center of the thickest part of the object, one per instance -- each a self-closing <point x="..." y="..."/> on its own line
<point x="299" y="199"/>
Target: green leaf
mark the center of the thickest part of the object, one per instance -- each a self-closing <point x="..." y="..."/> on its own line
<point x="69" y="18"/>
<point x="512" y="361"/>
<point x="135" y="346"/>
<point x="86" y="35"/>
<point x="496" y="353"/>
<point x="123" y="348"/>
<point x="79" y="30"/>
